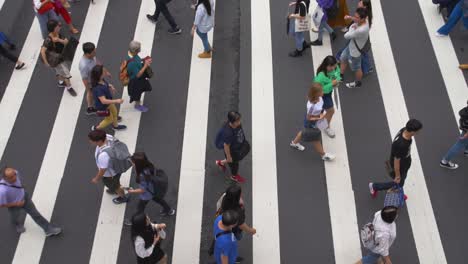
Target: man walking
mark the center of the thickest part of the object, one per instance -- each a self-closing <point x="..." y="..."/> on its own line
<point x="400" y="157"/>
<point x="111" y="180"/>
<point x="461" y="144"/>
<point x="358" y="36"/>
<point x="16" y="199"/>
<point x="225" y="248"/>
<point x="161" y="6"/>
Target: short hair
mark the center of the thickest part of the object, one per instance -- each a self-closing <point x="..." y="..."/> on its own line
<point x="413" y="125"/>
<point x="362" y="12"/>
<point x="230" y="217"/>
<point x="134" y="46"/>
<point x="389" y="214"/>
<point x="51" y="25"/>
<point x="314" y="91"/>
<point x="88" y="47"/>
<point x="97" y="135"/>
<point x="233" y="116"/>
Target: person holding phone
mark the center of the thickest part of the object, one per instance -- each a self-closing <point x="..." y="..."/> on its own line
<point x="146" y="237"/>
<point x="301" y="9"/>
<point x="137" y="72"/>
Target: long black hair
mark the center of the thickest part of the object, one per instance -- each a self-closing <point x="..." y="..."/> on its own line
<point x="141" y="228"/>
<point x="328" y="61"/>
<point x="367" y="4"/>
<point x="141" y="164"/>
<point x="207" y="5"/>
<point x="231" y="200"/>
<point x="96" y="73"/>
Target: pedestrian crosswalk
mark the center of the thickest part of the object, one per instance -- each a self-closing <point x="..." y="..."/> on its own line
<point x="304" y="211"/>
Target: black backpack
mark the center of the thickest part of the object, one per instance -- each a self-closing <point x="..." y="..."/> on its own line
<point x="160" y="183"/>
<point x="463" y="122"/>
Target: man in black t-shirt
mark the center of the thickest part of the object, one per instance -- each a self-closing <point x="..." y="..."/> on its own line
<point x="400" y="157"/>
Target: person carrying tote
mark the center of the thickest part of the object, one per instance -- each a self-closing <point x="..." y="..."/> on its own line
<point x="313" y="115"/>
<point x="204" y="22"/>
<point x="301" y="10"/>
<point x="325" y="5"/>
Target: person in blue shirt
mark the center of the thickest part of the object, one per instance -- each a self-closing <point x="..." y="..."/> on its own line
<point x="225" y="249"/>
<point x="136" y="69"/>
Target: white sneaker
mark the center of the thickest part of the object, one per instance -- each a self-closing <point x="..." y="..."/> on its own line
<point x="448" y="164"/>
<point x="440" y="35"/>
<point x="328" y="157"/>
<point x="297" y="146"/>
<point x="330" y="132"/>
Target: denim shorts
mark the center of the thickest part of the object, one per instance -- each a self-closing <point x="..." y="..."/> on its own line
<point x="354" y="63"/>
<point x="371" y="258"/>
<point x="327" y="100"/>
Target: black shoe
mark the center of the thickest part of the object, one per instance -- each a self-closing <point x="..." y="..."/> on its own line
<point x="119" y="127"/>
<point x="71" y="91"/>
<point x="119" y="119"/>
<point x="174" y="31"/>
<point x="120" y="200"/>
<point x="150" y="17"/>
<point x="170" y="213"/>
<point x="91" y="111"/>
<point x="295" y="53"/>
<point x="305" y="45"/>
<point x="333" y="36"/>
<point x="19" y="67"/>
<point x="12" y="46"/>
<point x="239" y="260"/>
<point x="316" y="43"/>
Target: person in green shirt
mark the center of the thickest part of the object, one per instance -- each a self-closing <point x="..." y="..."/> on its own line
<point x="328" y="75"/>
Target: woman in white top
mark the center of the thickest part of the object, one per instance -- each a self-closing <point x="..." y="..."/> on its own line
<point x="146" y="238"/>
<point x="204" y="22"/>
<point x="385" y="234"/>
<point x="314" y="114"/>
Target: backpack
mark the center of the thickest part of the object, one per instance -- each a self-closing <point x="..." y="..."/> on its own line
<point x="123" y="73"/>
<point x="119" y="156"/>
<point x="160" y="183"/>
<point x="463" y="119"/>
<point x="368" y="236"/>
<point x="219" y="140"/>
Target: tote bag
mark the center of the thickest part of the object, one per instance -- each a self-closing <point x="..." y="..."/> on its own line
<point x="305" y="24"/>
<point x="317" y="16"/>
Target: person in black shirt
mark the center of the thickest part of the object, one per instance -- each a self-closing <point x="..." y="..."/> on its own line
<point x="236" y="147"/>
<point x="400" y="157"/>
<point x="300" y="11"/>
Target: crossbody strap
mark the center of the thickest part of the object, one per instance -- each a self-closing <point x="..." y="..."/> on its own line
<point x="13" y="186"/>
<point x="223" y="233"/>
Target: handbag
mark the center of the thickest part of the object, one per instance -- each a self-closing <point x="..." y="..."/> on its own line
<point x="395" y="197"/>
<point x="244" y="150"/>
<point x="68" y="52"/>
<point x="54" y="58"/>
<point x="303" y="24"/>
<point x="317" y="16"/>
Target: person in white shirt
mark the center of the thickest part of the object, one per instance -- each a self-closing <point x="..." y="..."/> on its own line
<point x="203" y="23"/>
<point x="314" y="115"/>
<point x="385" y="234"/>
<point x="146" y="237"/>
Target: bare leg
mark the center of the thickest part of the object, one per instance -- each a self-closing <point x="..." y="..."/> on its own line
<point x="89" y="97"/>
<point x="359" y="75"/>
<point x="163" y="260"/>
<point x="318" y="147"/>
<point x="329" y="115"/>
<point x="298" y="137"/>
<point x="343" y="65"/>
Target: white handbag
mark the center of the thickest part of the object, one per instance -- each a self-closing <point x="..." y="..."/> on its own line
<point x="303" y="24"/>
<point x="317" y="16"/>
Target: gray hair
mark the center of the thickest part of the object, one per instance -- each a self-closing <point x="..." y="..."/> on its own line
<point x="134" y="46"/>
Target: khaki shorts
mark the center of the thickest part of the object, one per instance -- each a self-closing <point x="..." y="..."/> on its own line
<point x="62" y="70"/>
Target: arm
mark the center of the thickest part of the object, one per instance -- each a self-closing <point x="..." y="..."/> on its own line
<point x="143" y="69"/>
<point x="325" y="81"/>
<point x="140" y="249"/>
<point x="227" y="150"/>
<point x="396" y="168"/>
<point x="354" y="32"/>
<point x="15" y="204"/>
<point x="44" y="57"/>
<point x="136" y="191"/>
<point x="99" y="175"/>
<point x="106" y="101"/>
<point x="315" y="118"/>
<point x="387" y="260"/>
<point x="246" y="228"/>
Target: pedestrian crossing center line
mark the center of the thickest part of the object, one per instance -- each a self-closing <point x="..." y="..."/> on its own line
<point x="18" y="85"/>
<point x="421" y="215"/>
<point x="266" y="244"/>
<point x="31" y="243"/>
<point x="447" y="60"/>
<point x="110" y="221"/>
<point x="343" y="217"/>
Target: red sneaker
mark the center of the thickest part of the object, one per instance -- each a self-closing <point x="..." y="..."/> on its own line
<point x="373" y="192"/>
<point x="221" y="165"/>
<point x="238" y="178"/>
<point x="405" y="197"/>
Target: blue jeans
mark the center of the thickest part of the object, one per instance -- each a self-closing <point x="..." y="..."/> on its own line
<point x="365" y="60"/>
<point x="298" y="36"/>
<point x="371" y="258"/>
<point x="456" y="14"/>
<point x="30" y="209"/>
<point x="323" y="25"/>
<point x="204" y="39"/>
<point x="43" y="19"/>
<point x="459" y="146"/>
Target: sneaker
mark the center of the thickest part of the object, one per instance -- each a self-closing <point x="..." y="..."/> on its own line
<point x="90" y="111"/>
<point x="305" y="45"/>
<point x="174" y="31"/>
<point x="221" y="165"/>
<point x="170" y="213"/>
<point x="333" y="36"/>
<point x="127" y="222"/>
<point x="465" y="153"/>
<point x="440" y="35"/>
<point x="151" y="18"/>
<point x="93" y="127"/>
<point x="405" y="197"/>
<point x="120" y="200"/>
<point x="20" y="229"/>
<point x="373" y="192"/>
<point x="353" y="84"/>
<point x="53" y="231"/>
<point x="330" y="132"/>
<point x="328" y="157"/>
<point x="295" y="53"/>
<point x="448" y="165"/>
<point x="120" y="127"/>
<point x="61" y="84"/>
<point x="316" y="43"/>
<point x="141" y="108"/>
<point x="119" y="119"/>
<point x="239" y="260"/>
<point x="297" y="146"/>
<point x="71" y="91"/>
<point x="238" y="178"/>
<point x="205" y="55"/>
<point x="21" y="66"/>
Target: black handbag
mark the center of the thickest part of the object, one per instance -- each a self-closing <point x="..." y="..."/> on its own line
<point x="68" y="52"/>
<point x="244" y="150"/>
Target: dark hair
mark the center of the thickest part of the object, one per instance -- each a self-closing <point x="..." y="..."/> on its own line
<point x="51" y="25"/>
<point x="139" y="225"/>
<point x="230" y="218"/>
<point x="389" y="214"/>
<point x="141" y="163"/>
<point x="362" y="12"/>
<point x="88" y="47"/>
<point x="233" y="116"/>
<point x="232" y="198"/>
<point x="97" y="135"/>
<point x="96" y="73"/>
<point x="413" y="125"/>
<point x="207" y="5"/>
<point x="328" y="61"/>
<point x="367" y="4"/>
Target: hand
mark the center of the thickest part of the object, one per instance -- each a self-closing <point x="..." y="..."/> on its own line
<point x="322" y="116"/>
<point x="120" y="101"/>
<point x="156" y="239"/>
<point x="334" y="82"/>
<point x="65" y="41"/>
<point x="253" y="231"/>
<point x="148" y="61"/>
<point x="229" y="159"/>
<point x="20" y="203"/>
<point x="348" y="17"/>
<point x="95" y="180"/>
<point x="192" y="32"/>
<point x="161" y="226"/>
<point x="397" y="179"/>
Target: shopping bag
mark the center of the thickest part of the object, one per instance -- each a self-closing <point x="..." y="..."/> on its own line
<point x="317" y="16"/>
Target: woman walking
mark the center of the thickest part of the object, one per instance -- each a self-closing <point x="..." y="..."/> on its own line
<point x="51" y="52"/>
<point x="7" y="54"/>
<point x="301" y="10"/>
<point x="147" y="178"/>
<point x="324" y="4"/>
<point x="313" y="115"/>
<point x="328" y="75"/>
<point x="105" y="104"/>
<point x="204" y="22"/>
<point x="146" y="238"/>
<point x="137" y="72"/>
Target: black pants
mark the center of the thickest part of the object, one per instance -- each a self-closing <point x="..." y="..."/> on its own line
<point x="405" y="164"/>
<point x="161" y="6"/>
<point x="8" y="54"/>
<point x="142" y="205"/>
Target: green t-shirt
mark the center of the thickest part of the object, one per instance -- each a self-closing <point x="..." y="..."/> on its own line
<point x="326" y="80"/>
<point x="134" y="66"/>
